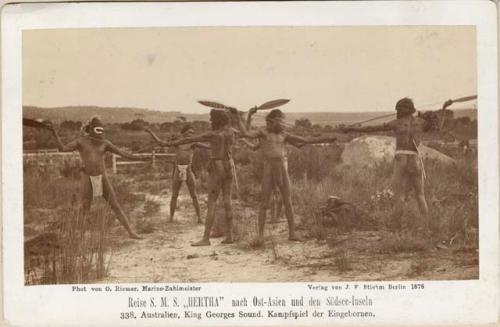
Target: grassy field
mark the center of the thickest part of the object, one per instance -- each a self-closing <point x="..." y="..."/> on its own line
<point x="65" y="247"/>
<point x="317" y="173"/>
<point x="61" y="244"/>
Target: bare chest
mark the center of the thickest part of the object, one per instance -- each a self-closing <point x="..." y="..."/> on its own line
<point x="184" y="149"/>
<point x="273" y="139"/>
<point x="92" y="149"/>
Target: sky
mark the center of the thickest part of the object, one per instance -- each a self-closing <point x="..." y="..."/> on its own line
<point x="337" y="69"/>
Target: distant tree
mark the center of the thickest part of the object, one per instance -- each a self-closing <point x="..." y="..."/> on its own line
<point x="178" y="125"/>
<point x="167" y="127"/>
<point x="71" y="125"/>
<point x="303" y="123"/>
<point x="201" y="126"/>
<point x="465" y="120"/>
<point x="135" y="125"/>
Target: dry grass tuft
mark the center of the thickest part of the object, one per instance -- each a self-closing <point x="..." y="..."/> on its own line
<point x="342" y="261"/>
<point x="51" y="207"/>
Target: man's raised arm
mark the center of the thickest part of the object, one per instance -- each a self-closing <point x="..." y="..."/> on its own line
<point x="116" y="150"/>
<point x="201" y="145"/>
<point x="251" y="112"/>
<point x="295" y="140"/>
<point x="369" y="129"/>
<point x="155" y="137"/>
<point x="252" y="146"/>
<point x="71" y="146"/>
<point x="243" y="131"/>
<point x="205" y="137"/>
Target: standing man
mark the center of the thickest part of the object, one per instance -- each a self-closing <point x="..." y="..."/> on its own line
<point x="182" y="169"/>
<point x="275" y="199"/>
<point x="95" y="182"/>
<point x="275" y="202"/>
<point x="273" y="140"/>
<point x="408" y="165"/>
<point x="220" y="170"/>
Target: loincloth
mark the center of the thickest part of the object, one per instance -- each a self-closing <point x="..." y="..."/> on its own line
<point x="96" y="184"/>
<point x="407" y="152"/>
<point x="182" y="171"/>
<point x="411" y="162"/>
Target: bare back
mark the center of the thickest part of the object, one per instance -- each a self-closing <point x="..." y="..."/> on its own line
<point x="221" y="142"/>
<point x="408" y="131"/>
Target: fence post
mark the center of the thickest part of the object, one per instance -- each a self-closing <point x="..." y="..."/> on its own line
<point x="153" y="158"/>
<point x="113" y="160"/>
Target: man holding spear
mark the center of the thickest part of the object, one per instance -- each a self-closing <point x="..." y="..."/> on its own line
<point x="408" y="166"/>
<point x="409" y="169"/>
<point x="95" y="182"/>
<point x="220" y="170"/>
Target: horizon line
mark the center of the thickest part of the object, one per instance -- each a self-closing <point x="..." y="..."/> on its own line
<point x="197" y="113"/>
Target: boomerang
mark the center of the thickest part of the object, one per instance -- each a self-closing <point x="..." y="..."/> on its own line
<point x="265" y="106"/>
<point x="449" y="103"/>
<point x="35" y="123"/>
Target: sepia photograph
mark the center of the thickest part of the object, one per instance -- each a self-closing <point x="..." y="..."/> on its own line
<point x="250" y="163"/>
<point x="250" y="154"/>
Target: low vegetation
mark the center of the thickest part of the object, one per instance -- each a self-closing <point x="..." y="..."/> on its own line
<point x="77" y="249"/>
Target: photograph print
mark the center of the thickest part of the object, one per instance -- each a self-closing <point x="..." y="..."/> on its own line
<point x="250" y="154"/>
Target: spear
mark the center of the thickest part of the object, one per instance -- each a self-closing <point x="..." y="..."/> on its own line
<point x="445" y="105"/>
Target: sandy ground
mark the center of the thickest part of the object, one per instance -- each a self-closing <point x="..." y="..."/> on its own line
<point x="165" y="255"/>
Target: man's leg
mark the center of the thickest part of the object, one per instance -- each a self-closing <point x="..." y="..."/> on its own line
<point x="191" y="184"/>
<point x="276" y="206"/>
<point x="399" y="185"/>
<point x="110" y="196"/>
<point x="265" y="195"/>
<point x="272" y="206"/>
<point x="214" y="187"/>
<point x="226" y="193"/>
<point x="417" y="181"/>
<point x="176" y="186"/>
<point x="286" y="195"/>
<point x="279" y="206"/>
<point x="86" y="195"/>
